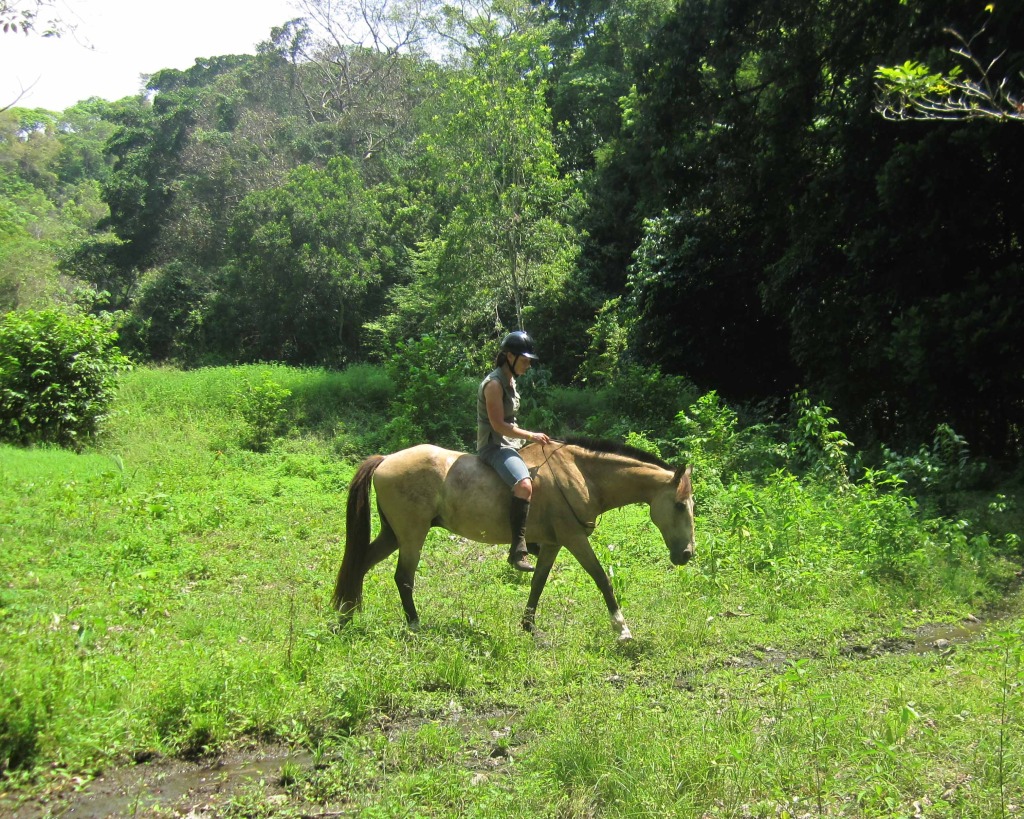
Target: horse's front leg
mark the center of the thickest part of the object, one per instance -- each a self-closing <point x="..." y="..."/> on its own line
<point x="545" y="560"/>
<point x="583" y="552"/>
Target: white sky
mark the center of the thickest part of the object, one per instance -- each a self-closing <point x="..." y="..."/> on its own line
<point x="128" y="38"/>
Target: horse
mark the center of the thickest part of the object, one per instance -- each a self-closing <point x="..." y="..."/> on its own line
<point x="574" y="482"/>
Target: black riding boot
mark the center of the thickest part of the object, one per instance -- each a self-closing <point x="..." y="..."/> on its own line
<point x="518" y="513"/>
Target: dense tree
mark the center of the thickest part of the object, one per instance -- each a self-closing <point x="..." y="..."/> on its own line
<point x="51" y="168"/>
<point x="504" y="242"/>
<point x="791" y="234"/>
<point x="147" y="149"/>
<point x="305" y="257"/>
<point x="748" y="218"/>
<point x="596" y="45"/>
<point x="357" y="67"/>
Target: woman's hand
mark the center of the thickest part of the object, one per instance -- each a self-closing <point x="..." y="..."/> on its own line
<point x="539" y="438"/>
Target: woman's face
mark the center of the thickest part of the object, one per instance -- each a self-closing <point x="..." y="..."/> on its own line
<point x="519" y="365"/>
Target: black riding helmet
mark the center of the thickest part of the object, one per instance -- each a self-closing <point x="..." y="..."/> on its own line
<point x="519" y="343"/>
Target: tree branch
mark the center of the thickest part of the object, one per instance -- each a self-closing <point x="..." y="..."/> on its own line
<point x="913" y="92"/>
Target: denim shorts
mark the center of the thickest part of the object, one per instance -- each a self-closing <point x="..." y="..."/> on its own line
<point x="511" y="468"/>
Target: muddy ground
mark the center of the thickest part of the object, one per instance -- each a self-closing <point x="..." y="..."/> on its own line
<point x="164" y="787"/>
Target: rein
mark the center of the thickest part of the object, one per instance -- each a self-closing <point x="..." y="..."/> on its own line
<point x="561" y="491"/>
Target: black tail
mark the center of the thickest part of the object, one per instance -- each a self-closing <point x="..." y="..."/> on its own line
<point x="348" y="589"/>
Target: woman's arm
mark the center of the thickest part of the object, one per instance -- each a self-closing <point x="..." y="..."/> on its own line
<point x="496" y="415"/>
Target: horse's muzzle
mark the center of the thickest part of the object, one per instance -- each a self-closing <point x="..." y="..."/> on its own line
<point x="680" y="557"/>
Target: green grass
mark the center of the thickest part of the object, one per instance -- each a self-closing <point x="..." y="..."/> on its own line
<point x="168" y="593"/>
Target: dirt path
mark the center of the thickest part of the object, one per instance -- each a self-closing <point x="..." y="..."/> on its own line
<point x="164" y="787"/>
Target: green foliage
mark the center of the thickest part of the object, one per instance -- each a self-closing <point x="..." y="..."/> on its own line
<point x="574" y="408"/>
<point x="640" y="398"/>
<point x="597" y="48"/>
<point x="308" y="254"/>
<point x="435" y="398"/>
<point x="732" y="213"/>
<point x="263" y="409"/>
<point x="609" y="341"/>
<point x="944" y="466"/>
<point x="817" y="443"/>
<point x="689" y="187"/>
<point x="709" y="431"/>
<point x="506" y="239"/>
<point x="709" y="435"/>
<point x="915" y="81"/>
<point x="58" y="375"/>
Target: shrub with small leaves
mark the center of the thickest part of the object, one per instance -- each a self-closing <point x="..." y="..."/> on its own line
<point x="945" y="466"/>
<point x="58" y="374"/>
<point x="263" y="409"/>
<point x="711" y="437"/>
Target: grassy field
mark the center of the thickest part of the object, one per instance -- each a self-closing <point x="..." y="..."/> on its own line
<point x="165" y="596"/>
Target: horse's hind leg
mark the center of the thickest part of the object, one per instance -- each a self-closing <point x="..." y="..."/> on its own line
<point x="410" y="546"/>
<point x="382" y="546"/>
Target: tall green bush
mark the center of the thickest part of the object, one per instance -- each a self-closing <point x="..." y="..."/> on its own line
<point x="58" y="373"/>
<point x="434" y="395"/>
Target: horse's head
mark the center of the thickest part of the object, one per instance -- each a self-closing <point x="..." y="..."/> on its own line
<point x="672" y="513"/>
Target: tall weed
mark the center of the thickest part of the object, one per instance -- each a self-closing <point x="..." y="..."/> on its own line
<point x="937" y="470"/>
<point x="817" y="443"/>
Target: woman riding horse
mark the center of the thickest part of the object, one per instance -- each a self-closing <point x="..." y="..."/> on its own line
<point x="499" y="438"/>
<point x="574" y="483"/>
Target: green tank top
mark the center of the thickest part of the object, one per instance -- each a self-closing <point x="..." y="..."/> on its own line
<point x="485" y="433"/>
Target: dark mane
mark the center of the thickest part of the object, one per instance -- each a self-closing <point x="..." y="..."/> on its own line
<point x="617" y="448"/>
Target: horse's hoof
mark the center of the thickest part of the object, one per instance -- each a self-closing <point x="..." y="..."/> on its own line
<point x="620" y="627"/>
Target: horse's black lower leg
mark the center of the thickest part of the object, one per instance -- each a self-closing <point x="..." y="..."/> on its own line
<point x="546" y="559"/>
<point x="593" y="567"/>
<point x="404" y="579"/>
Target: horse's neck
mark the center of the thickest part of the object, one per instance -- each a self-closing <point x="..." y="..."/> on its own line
<point x="620" y="482"/>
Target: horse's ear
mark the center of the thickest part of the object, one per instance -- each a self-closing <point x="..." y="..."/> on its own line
<point x="684" y="488"/>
